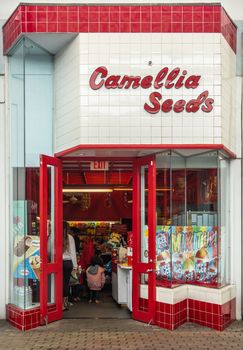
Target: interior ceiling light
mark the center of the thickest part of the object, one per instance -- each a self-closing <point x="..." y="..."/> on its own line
<point x="130" y="189"/>
<point x="82" y="190"/>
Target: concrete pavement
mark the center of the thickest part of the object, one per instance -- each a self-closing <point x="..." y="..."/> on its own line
<point x="119" y="334"/>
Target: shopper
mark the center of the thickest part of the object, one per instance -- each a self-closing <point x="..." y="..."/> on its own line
<point x="69" y="262"/>
<point x="85" y="259"/>
<point x="75" y="232"/>
<point x="95" y="279"/>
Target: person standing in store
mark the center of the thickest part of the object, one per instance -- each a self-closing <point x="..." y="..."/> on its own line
<point x="95" y="279"/>
<point x="85" y="259"/>
<point x="69" y="262"/>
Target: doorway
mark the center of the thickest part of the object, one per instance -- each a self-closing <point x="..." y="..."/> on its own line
<point x="102" y="200"/>
<point x="97" y="204"/>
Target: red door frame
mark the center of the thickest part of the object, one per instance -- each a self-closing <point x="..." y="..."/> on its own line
<point x="52" y="312"/>
<point x="138" y="267"/>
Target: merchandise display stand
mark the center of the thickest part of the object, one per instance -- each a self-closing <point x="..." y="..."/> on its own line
<point x="122" y="285"/>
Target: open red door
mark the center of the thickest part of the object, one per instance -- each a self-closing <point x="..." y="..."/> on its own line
<point x="144" y="235"/>
<point x="50" y="239"/>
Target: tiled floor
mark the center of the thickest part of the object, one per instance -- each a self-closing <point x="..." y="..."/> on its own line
<point x="119" y="334"/>
<point x="107" y="309"/>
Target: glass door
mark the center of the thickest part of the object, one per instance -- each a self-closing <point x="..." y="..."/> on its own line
<point x="50" y="239"/>
<point x="144" y="235"/>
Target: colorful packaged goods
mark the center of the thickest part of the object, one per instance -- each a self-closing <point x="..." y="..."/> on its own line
<point x="187" y="254"/>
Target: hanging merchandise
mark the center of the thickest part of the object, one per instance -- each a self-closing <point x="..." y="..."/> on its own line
<point x="108" y="201"/>
<point x="129" y="248"/>
<point x="125" y="200"/>
<point x="85" y="201"/>
<point x="114" y="239"/>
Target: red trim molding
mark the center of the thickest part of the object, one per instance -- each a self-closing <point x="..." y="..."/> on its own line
<point x="174" y="18"/>
<point x="218" y="147"/>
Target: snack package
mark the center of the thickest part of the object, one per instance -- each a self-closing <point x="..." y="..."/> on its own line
<point x="163" y="267"/>
<point x="206" y="255"/>
<point x="35" y="265"/>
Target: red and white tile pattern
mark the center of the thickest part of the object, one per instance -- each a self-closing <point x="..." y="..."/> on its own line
<point x="25" y="319"/>
<point x="173" y="308"/>
<point x="122" y="19"/>
<point x="215" y="308"/>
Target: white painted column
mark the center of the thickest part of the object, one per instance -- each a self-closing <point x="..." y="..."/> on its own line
<point x="3" y="207"/>
<point x="235" y="248"/>
<point x="235" y="230"/>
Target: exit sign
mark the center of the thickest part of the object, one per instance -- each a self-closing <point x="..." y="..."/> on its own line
<point x="99" y="165"/>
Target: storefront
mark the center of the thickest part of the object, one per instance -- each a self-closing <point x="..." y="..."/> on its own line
<point x="130" y="111"/>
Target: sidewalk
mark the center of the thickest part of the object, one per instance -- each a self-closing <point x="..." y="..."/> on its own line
<point x="123" y="334"/>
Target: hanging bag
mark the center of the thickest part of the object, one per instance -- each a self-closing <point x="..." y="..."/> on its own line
<point x="73" y="279"/>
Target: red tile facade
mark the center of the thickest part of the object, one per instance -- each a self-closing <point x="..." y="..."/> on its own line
<point x="125" y="19"/>
<point x="211" y="315"/>
<point x="24" y="319"/>
<point x="214" y="316"/>
<point x="171" y="316"/>
<point x="167" y="316"/>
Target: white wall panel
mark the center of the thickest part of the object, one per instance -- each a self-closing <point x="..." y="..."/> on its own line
<point x="100" y="111"/>
<point x="228" y="70"/>
<point x="235" y="248"/>
<point x="67" y="97"/>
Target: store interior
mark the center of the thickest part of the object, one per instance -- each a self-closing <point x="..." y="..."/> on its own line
<point x="97" y="204"/>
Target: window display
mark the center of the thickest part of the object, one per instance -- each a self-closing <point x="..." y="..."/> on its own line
<point x="29" y="66"/>
<point x="192" y="228"/>
<point x="187" y="254"/>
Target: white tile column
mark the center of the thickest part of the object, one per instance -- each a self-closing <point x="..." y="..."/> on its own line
<point x="3" y="206"/>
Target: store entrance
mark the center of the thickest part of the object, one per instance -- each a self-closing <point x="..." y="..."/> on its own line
<point x="97" y="205"/>
<point x="109" y="207"/>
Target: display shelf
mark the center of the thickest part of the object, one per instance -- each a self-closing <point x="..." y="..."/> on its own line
<point x="95" y="228"/>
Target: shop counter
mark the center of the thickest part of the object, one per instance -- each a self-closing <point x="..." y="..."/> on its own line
<point x="122" y="285"/>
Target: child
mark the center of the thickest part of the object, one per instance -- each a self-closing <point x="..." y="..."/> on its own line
<point x="95" y="279"/>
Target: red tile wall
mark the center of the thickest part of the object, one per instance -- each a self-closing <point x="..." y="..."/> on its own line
<point x="125" y="19"/>
<point x="171" y="316"/>
<point x="206" y="314"/>
<point x="211" y="315"/>
<point x="228" y="29"/>
<point x="23" y="319"/>
<point x="166" y="315"/>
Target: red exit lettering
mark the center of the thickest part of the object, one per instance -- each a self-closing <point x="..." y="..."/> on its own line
<point x="99" y="165"/>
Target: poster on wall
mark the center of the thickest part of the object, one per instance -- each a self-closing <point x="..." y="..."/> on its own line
<point x="187" y="254"/>
<point x="27" y="257"/>
<point x="206" y="254"/>
<point x="163" y="252"/>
